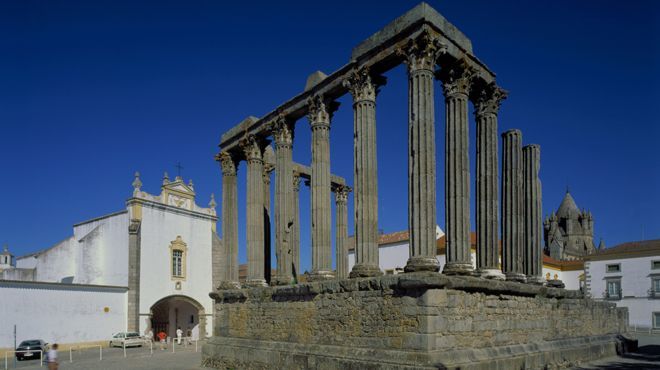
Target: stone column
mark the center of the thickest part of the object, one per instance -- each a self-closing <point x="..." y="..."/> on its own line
<point x="341" y="231"/>
<point x="268" y="167"/>
<point x="319" y="119"/>
<point x="133" y="312"/>
<point x="488" y="252"/>
<point x="255" y="211"/>
<point x="456" y="82"/>
<point x="512" y="206"/>
<point x="229" y="220"/>
<point x="283" y="135"/>
<point x="421" y="55"/>
<point x="533" y="263"/>
<point x="295" y="238"/>
<point x="365" y="175"/>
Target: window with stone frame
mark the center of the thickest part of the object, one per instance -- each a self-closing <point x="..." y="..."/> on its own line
<point x="615" y="267"/>
<point x="613" y="289"/>
<point x="656" y="320"/>
<point x="655" y="265"/>
<point x="178" y="251"/>
<point x="654" y="292"/>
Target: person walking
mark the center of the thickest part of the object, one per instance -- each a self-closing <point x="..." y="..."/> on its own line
<point x="51" y="357"/>
<point x="162" y="337"/>
<point x="179" y="333"/>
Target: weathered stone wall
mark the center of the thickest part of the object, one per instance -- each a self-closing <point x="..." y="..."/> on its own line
<point x="421" y="319"/>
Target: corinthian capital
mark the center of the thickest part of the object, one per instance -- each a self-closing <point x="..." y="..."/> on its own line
<point x="227" y="163"/>
<point x="296" y="181"/>
<point x="341" y="194"/>
<point x="252" y="147"/>
<point x="457" y="79"/>
<point x="489" y="99"/>
<point x="422" y="52"/>
<point x="362" y="86"/>
<point x="282" y="132"/>
<point x="320" y="111"/>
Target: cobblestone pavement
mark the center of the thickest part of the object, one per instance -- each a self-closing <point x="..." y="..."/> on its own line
<point x="113" y="359"/>
<point x="647" y="357"/>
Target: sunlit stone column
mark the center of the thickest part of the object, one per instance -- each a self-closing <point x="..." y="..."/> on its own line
<point x="295" y="238"/>
<point x="488" y="252"/>
<point x="533" y="264"/>
<point x="255" y="211"/>
<point x="512" y="206"/>
<point x="229" y="221"/>
<point x="341" y="231"/>
<point x="421" y="55"/>
<point x="365" y="174"/>
<point x="283" y="135"/>
<point x="319" y="119"/>
<point x="456" y="82"/>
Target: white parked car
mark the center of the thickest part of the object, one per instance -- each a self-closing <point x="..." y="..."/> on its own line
<point x="127" y="339"/>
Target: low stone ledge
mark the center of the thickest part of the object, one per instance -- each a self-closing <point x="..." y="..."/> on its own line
<point x="403" y="284"/>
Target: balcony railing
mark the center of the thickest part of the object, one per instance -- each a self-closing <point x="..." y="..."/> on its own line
<point x="613" y="297"/>
<point x="655" y="294"/>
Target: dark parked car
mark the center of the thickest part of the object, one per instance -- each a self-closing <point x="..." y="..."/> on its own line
<point x="30" y="349"/>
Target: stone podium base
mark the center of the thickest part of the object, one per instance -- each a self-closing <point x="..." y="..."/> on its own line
<point x="411" y="321"/>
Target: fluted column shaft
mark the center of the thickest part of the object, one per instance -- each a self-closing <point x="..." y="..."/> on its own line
<point x="420" y="58"/>
<point x="229" y="220"/>
<point x="341" y="231"/>
<point x="283" y="202"/>
<point x="319" y="119"/>
<point x="295" y="238"/>
<point x="365" y="175"/>
<point x="512" y="206"/>
<point x="267" y="221"/>
<point x="488" y="253"/>
<point x="255" y="212"/>
<point x="456" y="85"/>
<point x="533" y="263"/>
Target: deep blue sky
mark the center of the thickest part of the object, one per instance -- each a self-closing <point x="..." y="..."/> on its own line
<point x="92" y="91"/>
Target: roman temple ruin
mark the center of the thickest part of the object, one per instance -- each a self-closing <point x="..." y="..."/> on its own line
<point x="491" y="316"/>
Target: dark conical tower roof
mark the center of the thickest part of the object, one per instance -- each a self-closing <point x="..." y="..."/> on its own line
<point x="568" y="208"/>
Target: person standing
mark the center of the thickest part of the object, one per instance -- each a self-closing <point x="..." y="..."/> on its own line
<point x="51" y="357"/>
<point x="179" y="333"/>
<point x="162" y="337"/>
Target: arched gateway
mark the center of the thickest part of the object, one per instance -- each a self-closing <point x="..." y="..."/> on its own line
<point x="174" y="311"/>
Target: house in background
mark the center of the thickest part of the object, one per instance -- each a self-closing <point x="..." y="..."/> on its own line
<point x="628" y="275"/>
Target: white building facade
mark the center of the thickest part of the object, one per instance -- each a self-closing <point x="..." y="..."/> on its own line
<point x="158" y="253"/>
<point x="393" y="254"/>
<point x="628" y="275"/>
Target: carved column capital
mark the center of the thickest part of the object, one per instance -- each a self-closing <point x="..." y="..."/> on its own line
<point x="457" y="79"/>
<point x="362" y="86"/>
<point x="282" y="131"/>
<point x="252" y="148"/>
<point x="320" y="112"/>
<point x="489" y="99"/>
<point x="296" y="182"/>
<point x="423" y="52"/>
<point x="227" y="163"/>
<point x="341" y="194"/>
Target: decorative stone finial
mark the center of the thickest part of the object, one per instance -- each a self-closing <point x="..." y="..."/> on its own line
<point x="212" y="203"/>
<point x="137" y="184"/>
<point x="190" y="183"/>
<point x="5" y="248"/>
<point x="166" y="178"/>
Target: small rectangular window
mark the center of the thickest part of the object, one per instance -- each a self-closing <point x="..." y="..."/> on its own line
<point x="614" y="268"/>
<point x="177" y="268"/>
<point x="656" y="285"/>
<point x="655" y="265"/>
<point x="656" y="320"/>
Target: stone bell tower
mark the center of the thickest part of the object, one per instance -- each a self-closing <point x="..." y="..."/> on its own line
<point x="569" y="233"/>
<point x="6" y="259"/>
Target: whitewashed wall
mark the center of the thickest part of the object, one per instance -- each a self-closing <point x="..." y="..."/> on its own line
<point x="54" y="264"/>
<point x="60" y="313"/>
<point x="635" y="283"/>
<point x="103" y="251"/>
<point x="159" y="228"/>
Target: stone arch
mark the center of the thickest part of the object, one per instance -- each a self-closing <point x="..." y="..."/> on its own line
<point x="165" y="308"/>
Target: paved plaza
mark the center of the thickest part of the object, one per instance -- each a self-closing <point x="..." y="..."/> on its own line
<point x="113" y="358"/>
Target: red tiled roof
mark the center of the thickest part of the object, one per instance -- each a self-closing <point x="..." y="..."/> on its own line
<point x="629" y="249"/>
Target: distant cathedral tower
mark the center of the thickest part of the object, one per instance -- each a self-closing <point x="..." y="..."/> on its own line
<point x="569" y="233"/>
